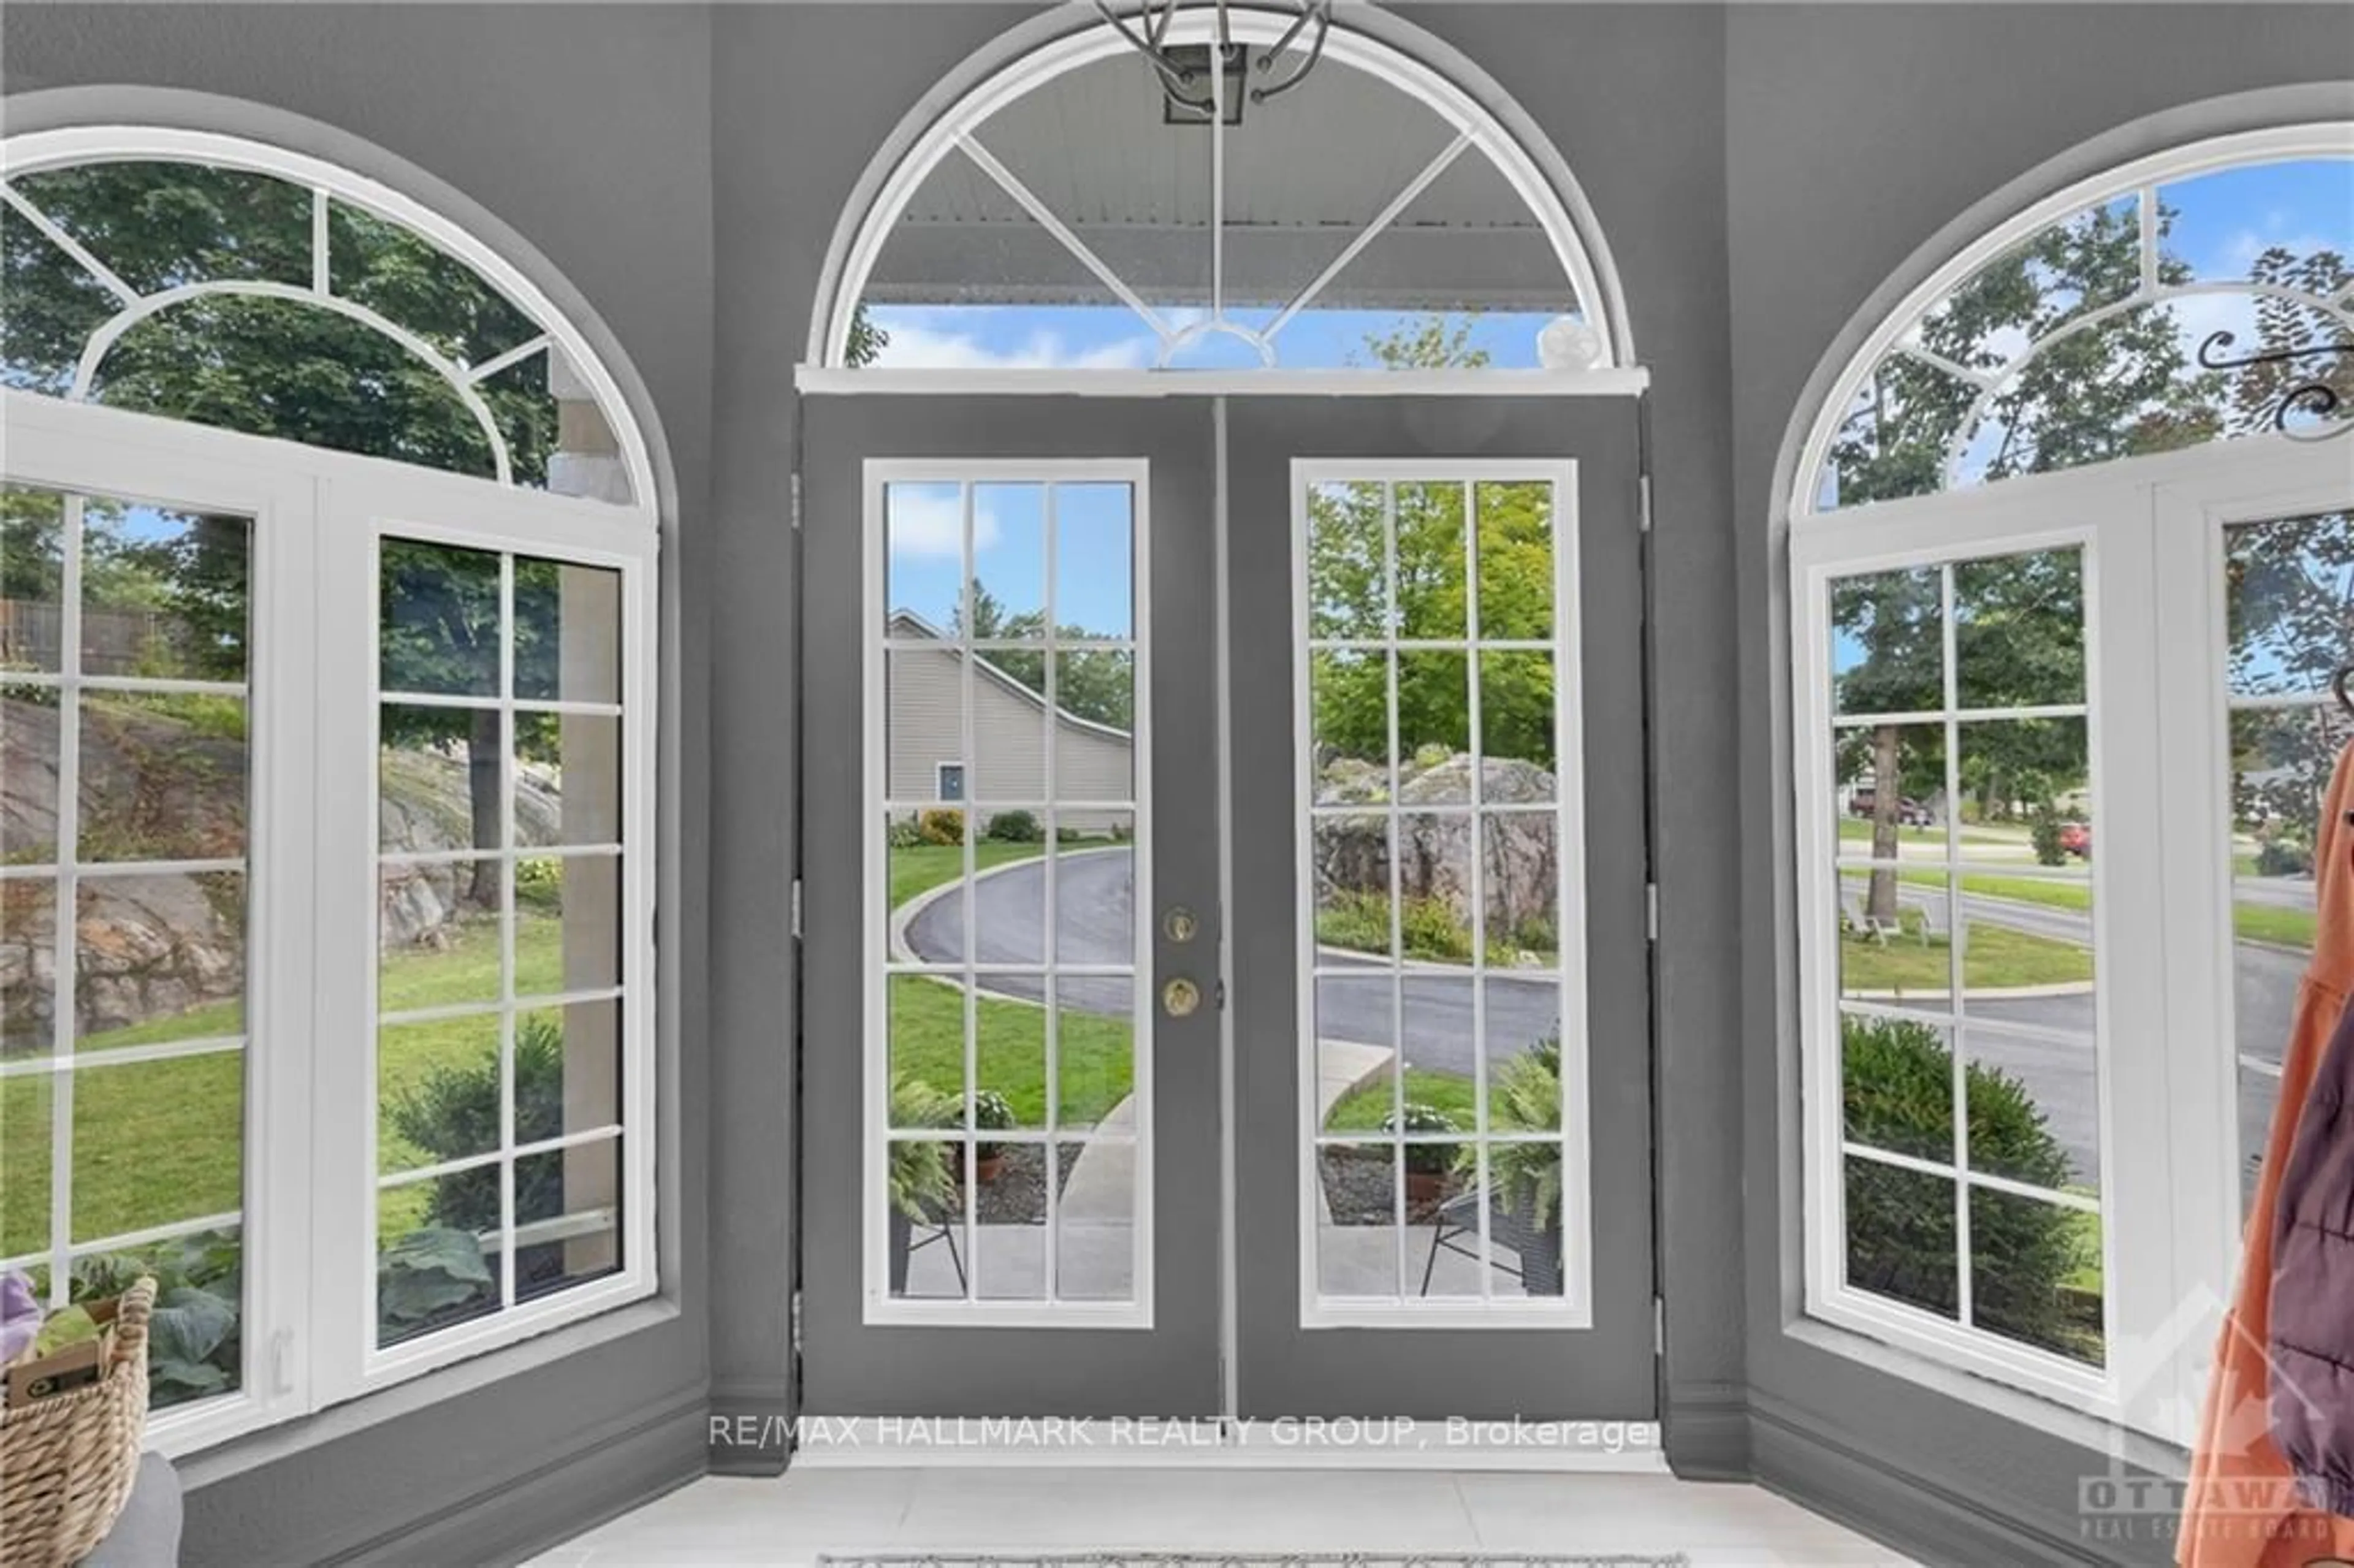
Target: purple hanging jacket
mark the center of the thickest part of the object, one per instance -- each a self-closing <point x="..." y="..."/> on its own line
<point x="2313" y="1288"/>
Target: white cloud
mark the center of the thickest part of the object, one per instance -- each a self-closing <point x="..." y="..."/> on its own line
<point x="927" y="522"/>
<point x="914" y="346"/>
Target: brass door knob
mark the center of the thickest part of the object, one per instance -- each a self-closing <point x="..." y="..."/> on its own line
<point x="1179" y="997"/>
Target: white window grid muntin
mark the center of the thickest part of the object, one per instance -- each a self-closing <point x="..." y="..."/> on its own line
<point x="1574" y="1307"/>
<point x="1584" y="258"/>
<point x="87" y="450"/>
<point x="1823" y="865"/>
<point x="2141" y="177"/>
<point x="308" y="1275"/>
<point x="68" y="1059"/>
<point x="881" y="966"/>
<point x="40" y="151"/>
<point x="517" y="530"/>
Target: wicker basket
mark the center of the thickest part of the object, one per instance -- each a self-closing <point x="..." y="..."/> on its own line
<point x="67" y="1462"/>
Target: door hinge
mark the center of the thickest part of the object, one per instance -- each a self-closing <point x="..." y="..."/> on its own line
<point x="793" y="1319"/>
<point x="1643" y="501"/>
<point x="793" y="492"/>
<point x="1218" y="993"/>
<point x="1651" y="910"/>
<point x="1659" y="1326"/>
<point x="281" y="1360"/>
<point x="797" y="909"/>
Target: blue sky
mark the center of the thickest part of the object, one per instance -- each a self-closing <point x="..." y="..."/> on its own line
<point x="1093" y="532"/>
<point x="1114" y="337"/>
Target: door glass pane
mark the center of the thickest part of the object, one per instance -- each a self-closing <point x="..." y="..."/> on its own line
<point x="1436" y="890"/>
<point x="2289" y="585"/>
<point x="1011" y="932"/>
<point x="127" y="1104"/>
<point x="502" y="988"/>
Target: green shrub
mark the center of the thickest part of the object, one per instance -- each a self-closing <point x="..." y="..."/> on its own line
<point x="454" y="1111"/>
<point x="1526" y="1093"/>
<point x="904" y="833"/>
<point x="1015" y="828"/>
<point x="1357" y="921"/>
<point x="1899" y="1096"/>
<point x="2044" y="834"/>
<point x="1430" y="929"/>
<point x="942" y="827"/>
<point x="2284" y="856"/>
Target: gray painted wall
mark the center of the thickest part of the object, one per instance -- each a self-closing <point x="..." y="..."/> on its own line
<point x="1759" y="172"/>
<point x="1855" y="135"/>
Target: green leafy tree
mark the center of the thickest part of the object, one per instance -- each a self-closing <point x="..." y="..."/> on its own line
<point x="1096" y="684"/>
<point x="1348" y="564"/>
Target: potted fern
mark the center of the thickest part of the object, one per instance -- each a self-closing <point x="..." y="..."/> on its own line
<point x="921" y="1173"/>
<point x="1525" y="1179"/>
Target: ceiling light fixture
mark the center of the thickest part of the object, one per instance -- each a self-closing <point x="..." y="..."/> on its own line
<point x="1189" y="95"/>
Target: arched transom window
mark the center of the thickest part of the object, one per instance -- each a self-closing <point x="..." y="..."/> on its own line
<point x="2161" y="308"/>
<point x="201" y="278"/>
<point x="1072" y="212"/>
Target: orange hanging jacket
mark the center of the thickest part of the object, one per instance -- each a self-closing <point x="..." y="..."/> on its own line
<point x="2244" y="1509"/>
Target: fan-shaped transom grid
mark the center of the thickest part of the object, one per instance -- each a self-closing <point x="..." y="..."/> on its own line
<point x="2201" y="297"/>
<point x="1377" y="216"/>
<point x="217" y="281"/>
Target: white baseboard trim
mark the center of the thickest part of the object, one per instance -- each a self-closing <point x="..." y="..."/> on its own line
<point x="910" y="1442"/>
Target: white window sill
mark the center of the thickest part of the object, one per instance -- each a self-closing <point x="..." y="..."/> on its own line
<point x="2090" y="1432"/>
<point x="235" y="1456"/>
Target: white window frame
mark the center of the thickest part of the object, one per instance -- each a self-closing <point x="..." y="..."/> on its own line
<point x="2151" y="529"/>
<point x="878" y="1307"/>
<point x="1575" y="1309"/>
<point x="307" y="1323"/>
<point x="310" y="1116"/>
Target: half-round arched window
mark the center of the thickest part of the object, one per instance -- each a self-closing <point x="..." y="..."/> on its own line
<point x="1325" y="201"/>
<point x="2174" y="303"/>
<point x="327" y="734"/>
<point x="208" y="279"/>
<point x="2072" y="568"/>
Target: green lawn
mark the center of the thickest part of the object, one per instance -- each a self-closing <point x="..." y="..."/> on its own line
<point x="2252" y="922"/>
<point x="1363" y="1111"/>
<point x="1093" y="1050"/>
<point x="1998" y="959"/>
<point x="1094" y="1054"/>
<point x="2270" y="923"/>
<point x="158" y="1141"/>
<point x="923" y="867"/>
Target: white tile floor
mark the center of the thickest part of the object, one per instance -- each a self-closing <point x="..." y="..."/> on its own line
<point x="787" y="1521"/>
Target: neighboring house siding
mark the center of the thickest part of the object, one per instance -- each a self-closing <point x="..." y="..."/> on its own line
<point x="924" y="696"/>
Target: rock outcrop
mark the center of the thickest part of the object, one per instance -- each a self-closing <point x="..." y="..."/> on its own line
<point x="157" y="785"/>
<point x="1520" y="874"/>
